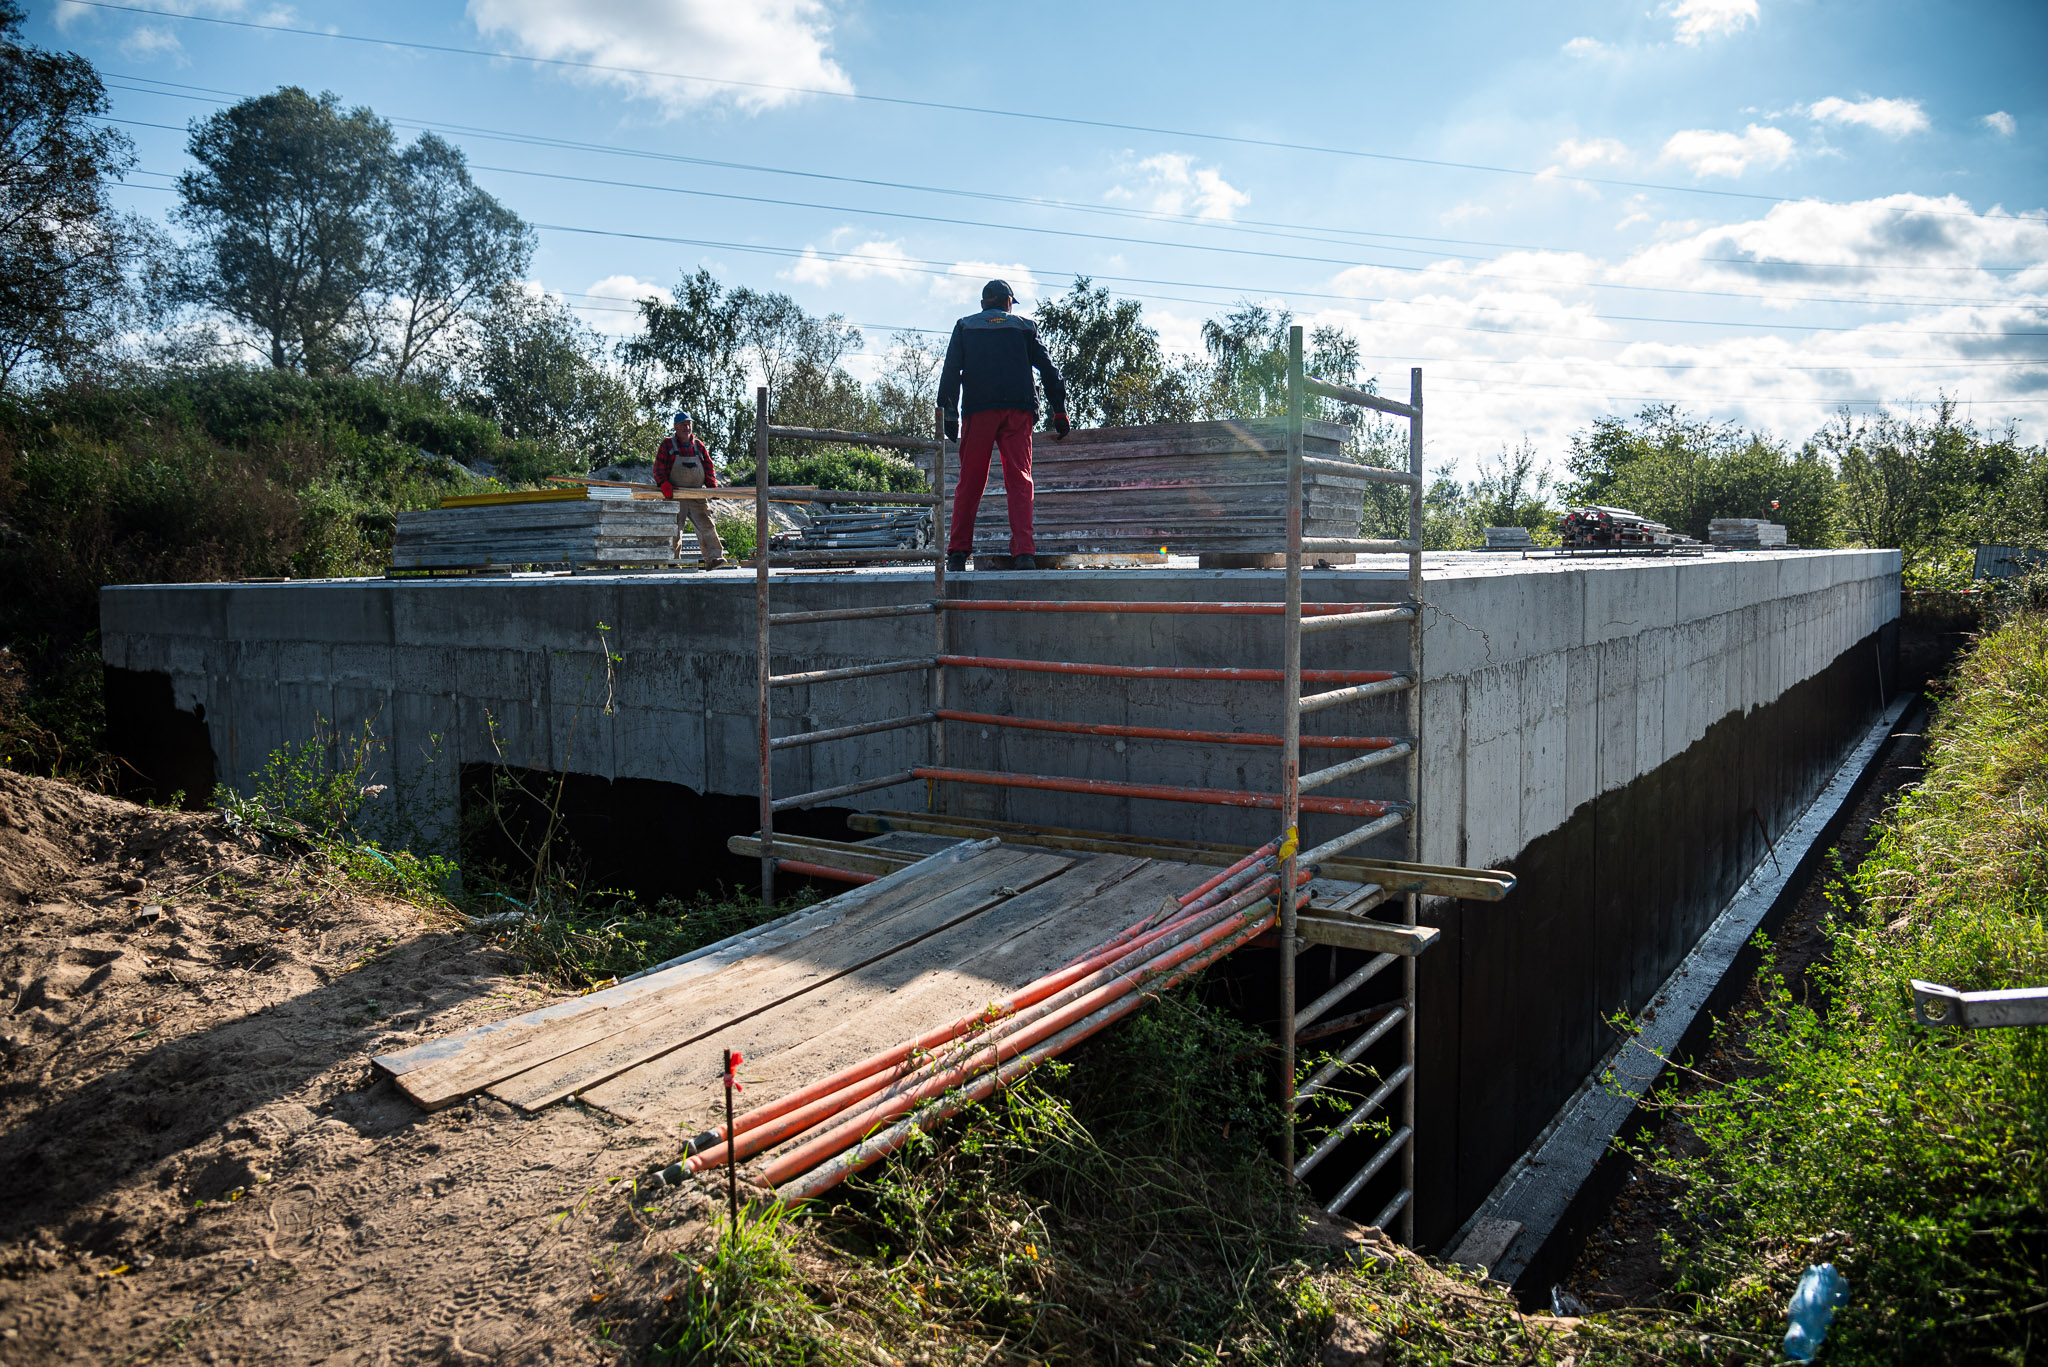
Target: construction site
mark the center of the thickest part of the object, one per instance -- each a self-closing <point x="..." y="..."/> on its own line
<point x="1434" y="820"/>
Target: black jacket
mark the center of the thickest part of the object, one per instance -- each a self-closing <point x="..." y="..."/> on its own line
<point x="993" y="353"/>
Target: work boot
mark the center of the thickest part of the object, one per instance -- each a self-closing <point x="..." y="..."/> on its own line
<point x="956" y="562"/>
<point x="1023" y="562"/>
<point x="719" y="564"/>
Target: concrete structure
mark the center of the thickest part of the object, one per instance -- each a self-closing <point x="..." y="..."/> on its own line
<point x="1626" y="734"/>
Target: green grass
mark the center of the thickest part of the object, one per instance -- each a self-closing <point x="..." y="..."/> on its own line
<point x="1915" y="1159"/>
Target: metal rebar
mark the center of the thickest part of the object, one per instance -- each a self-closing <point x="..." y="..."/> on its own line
<point x="1411" y="904"/>
<point x="865" y="728"/>
<point x="1386" y="680"/>
<point x="1162" y="792"/>
<point x="1290" y="746"/>
<point x="1350" y="1122"/>
<point x="1372" y="1170"/>
<point x="1336" y="621"/>
<point x="790" y="619"/>
<point x="818" y="676"/>
<point x="844" y="790"/>
<point x="1355" y="766"/>
<point x="1316" y="702"/>
<point x="1230" y="609"/>
<point x="763" y="679"/>
<point x="1342" y="990"/>
<point x="1093" y="728"/>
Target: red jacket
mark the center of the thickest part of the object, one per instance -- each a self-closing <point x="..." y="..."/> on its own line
<point x="665" y="459"/>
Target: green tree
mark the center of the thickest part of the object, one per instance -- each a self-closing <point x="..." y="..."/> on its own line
<point x="1684" y="472"/>
<point x="537" y="373"/>
<point x="451" y="247"/>
<point x="1909" y="483"/>
<point x="288" y="207"/>
<point x="1116" y="372"/>
<point x="64" y="252"/>
<point x="691" y="354"/>
<point x="907" y="392"/>
<point x="1513" y="490"/>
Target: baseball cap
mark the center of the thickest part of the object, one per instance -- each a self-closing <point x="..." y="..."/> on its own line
<point x="998" y="290"/>
<point x="680" y="417"/>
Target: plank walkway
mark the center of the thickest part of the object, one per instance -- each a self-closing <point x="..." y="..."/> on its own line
<point x="806" y="995"/>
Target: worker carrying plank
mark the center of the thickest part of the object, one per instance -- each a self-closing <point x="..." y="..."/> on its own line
<point x="991" y="356"/>
<point x="683" y="462"/>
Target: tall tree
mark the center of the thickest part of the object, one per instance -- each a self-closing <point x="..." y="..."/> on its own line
<point x="289" y="205"/>
<point x="537" y="374"/>
<point x="63" y="250"/>
<point x="1116" y="372"/>
<point x="690" y="354"/>
<point x="450" y="248"/>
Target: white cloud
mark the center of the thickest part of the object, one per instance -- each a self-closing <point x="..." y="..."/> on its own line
<point x="1701" y="19"/>
<point x="1710" y="153"/>
<point x="2002" y="123"/>
<point x="963" y="280"/>
<point x="1171" y="183"/>
<point x="1592" y="152"/>
<point x="1893" y="118"/>
<point x="772" y="42"/>
<point x="608" y="305"/>
<point x="1587" y="49"/>
<point x="872" y="260"/>
<point x="145" y="41"/>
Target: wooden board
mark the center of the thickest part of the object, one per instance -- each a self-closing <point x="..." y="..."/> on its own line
<point x="436" y="1073"/>
<point x="933" y="983"/>
<point x="587" y="1052"/>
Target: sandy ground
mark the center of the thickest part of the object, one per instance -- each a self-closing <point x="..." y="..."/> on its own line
<point x="197" y="1162"/>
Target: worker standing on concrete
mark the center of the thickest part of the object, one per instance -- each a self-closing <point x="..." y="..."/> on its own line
<point x="991" y="356"/>
<point x="683" y="462"/>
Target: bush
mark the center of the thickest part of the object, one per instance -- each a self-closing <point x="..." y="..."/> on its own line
<point x="1915" y="1159"/>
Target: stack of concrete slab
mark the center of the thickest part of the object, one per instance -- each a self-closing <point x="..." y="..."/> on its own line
<point x="1192" y="487"/>
<point x="1746" y="534"/>
<point x="1509" y="539"/>
<point x="541" y="527"/>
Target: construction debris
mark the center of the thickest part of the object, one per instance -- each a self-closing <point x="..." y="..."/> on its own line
<point x="1595" y="527"/>
<point x="1746" y="534"/>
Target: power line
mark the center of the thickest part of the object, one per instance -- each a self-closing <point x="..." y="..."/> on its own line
<point x="1254" y="226"/>
<point x="943" y="107"/>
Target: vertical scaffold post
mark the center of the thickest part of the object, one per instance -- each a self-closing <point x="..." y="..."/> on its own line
<point x="933" y="799"/>
<point x="1290" y="743"/>
<point x="761" y="665"/>
<point x="1412" y="902"/>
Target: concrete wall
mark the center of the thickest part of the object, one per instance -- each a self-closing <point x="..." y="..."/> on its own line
<point x="1627" y="735"/>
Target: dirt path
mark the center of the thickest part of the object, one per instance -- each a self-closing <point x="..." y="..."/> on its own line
<point x="196" y="1160"/>
<point x="1620" y="1264"/>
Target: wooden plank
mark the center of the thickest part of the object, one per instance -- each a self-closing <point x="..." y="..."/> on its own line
<point x="836" y="854"/>
<point x="931" y="983"/>
<point x="447" y="1070"/>
<point x="1375" y="936"/>
<point x="599" y="1049"/>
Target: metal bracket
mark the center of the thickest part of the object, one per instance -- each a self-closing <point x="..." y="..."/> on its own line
<point x="1936" y="1005"/>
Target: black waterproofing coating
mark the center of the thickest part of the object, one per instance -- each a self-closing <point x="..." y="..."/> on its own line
<point x="993" y="353"/>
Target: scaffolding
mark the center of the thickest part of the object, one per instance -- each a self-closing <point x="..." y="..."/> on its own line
<point x="1342" y="923"/>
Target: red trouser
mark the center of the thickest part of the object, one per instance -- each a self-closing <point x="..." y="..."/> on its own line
<point x="1009" y="429"/>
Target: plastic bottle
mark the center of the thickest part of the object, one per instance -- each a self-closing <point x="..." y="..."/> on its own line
<point x="1812" y="1310"/>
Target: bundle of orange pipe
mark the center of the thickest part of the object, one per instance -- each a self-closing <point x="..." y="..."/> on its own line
<point x="919" y="1083"/>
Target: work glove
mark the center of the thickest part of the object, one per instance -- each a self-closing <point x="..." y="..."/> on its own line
<point x="668" y="491"/>
<point x="1060" y="426"/>
<point x="952" y="423"/>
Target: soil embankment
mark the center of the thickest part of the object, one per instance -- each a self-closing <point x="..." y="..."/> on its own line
<point x="196" y="1159"/>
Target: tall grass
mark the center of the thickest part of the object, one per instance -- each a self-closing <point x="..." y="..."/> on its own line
<point x="1916" y="1159"/>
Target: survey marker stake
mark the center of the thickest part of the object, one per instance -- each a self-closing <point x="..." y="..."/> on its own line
<point x="732" y="1171"/>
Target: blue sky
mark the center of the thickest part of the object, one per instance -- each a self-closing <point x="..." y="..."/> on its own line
<point x="1761" y="209"/>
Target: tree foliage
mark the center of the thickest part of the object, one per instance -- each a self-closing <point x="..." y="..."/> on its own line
<point x="450" y="248"/>
<point x="536" y="373"/>
<point x="64" y="251"/>
<point x="1686" y="471"/>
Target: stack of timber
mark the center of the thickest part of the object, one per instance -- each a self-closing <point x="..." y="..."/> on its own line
<point x="570" y="526"/>
<point x="1509" y="539"/>
<point x="1745" y="534"/>
<point x="1193" y="488"/>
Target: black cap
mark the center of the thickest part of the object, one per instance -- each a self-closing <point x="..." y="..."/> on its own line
<point x="997" y="292"/>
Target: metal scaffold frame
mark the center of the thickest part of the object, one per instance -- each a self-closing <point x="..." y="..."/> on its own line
<point x="1341" y="923"/>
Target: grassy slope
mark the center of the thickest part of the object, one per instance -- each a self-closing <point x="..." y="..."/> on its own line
<point x="1912" y="1158"/>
